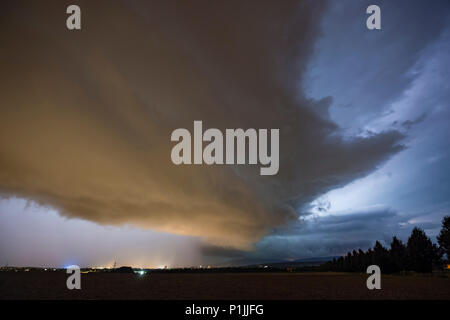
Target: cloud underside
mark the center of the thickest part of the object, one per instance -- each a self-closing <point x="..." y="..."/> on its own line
<point x="86" y="116"/>
<point x="319" y="237"/>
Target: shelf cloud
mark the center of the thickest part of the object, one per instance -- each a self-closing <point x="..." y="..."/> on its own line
<point x="86" y="116"/>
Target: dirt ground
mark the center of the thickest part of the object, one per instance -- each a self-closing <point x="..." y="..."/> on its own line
<point x="221" y="286"/>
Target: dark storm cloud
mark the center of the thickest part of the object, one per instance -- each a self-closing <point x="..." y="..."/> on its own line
<point x="86" y="116"/>
<point x="319" y="237"/>
<point x="333" y="235"/>
<point x="367" y="71"/>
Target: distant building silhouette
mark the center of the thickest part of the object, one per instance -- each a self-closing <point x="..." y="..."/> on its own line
<point x="123" y="269"/>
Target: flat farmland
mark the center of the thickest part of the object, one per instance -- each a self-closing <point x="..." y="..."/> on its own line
<point x="221" y="286"/>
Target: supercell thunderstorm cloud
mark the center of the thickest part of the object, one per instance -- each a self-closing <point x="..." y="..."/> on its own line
<point x="86" y="119"/>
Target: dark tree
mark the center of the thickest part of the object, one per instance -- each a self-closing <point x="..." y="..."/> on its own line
<point x="397" y="255"/>
<point x="368" y="258"/>
<point x="444" y="236"/>
<point x="421" y="252"/>
<point x="361" y="264"/>
<point x="348" y="262"/>
<point x="380" y="256"/>
<point x="354" y="261"/>
<point x="341" y="264"/>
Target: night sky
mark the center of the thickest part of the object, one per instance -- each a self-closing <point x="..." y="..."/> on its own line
<point x="86" y="116"/>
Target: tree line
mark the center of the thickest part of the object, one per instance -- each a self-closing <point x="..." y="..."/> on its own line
<point x="419" y="254"/>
